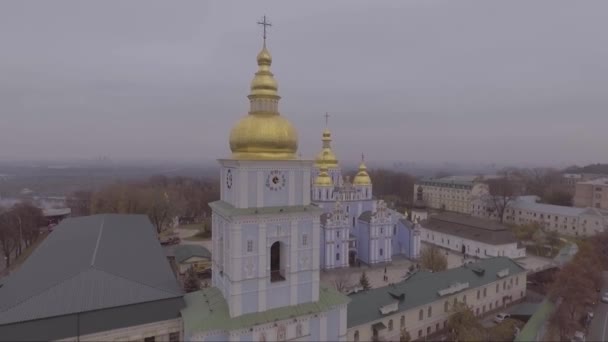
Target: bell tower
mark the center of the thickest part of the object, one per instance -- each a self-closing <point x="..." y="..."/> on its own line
<point x="265" y="232"/>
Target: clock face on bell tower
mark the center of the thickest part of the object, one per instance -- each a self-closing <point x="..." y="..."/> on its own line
<point x="275" y="180"/>
<point x="229" y="179"/>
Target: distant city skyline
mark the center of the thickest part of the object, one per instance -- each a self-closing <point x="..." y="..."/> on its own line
<point x="419" y="81"/>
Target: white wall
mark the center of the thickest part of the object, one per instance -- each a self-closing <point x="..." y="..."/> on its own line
<point x="418" y="328"/>
<point x="160" y="331"/>
<point x="474" y="248"/>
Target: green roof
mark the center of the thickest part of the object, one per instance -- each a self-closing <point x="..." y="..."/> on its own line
<point x="531" y="330"/>
<point x="187" y="251"/>
<point x="227" y="209"/>
<point x="208" y="310"/>
<point x="423" y="288"/>
<point x="448" y="182"/>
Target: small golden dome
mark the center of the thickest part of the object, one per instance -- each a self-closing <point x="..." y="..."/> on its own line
<point x="323" y="178"/>
<point x="264" y="133"/>
<point x="362" y="177"/>
<point x="326" y="157"/>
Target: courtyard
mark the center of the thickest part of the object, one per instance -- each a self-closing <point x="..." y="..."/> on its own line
<point x="349" y="277"/>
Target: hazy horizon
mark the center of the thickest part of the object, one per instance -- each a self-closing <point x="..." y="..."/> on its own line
<point x="419" y="81"/>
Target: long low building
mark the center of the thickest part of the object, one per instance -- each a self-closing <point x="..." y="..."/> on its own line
<point x="564" y="220"/>
<point x="94" y="278"/>
<point x="422" y="303"/>
<point x="471" y="236"/>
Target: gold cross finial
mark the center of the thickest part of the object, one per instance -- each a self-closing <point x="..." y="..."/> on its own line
<point x="264" y="23"/>
<point x="326" y="118"/>
<point x="362" y="158"/>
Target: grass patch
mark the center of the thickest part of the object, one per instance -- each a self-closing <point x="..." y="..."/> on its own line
<point x="201" y="235"/>
<point x="27" y="252"/>
<point x="192" y="226"/>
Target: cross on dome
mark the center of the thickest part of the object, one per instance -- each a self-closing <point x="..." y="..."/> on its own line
<point x="264" y="24"/>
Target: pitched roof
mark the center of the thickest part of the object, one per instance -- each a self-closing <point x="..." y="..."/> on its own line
<point x="185" y="252"/>
<point x="471" y="228"/>
<point x="423" y="288"/>
<point x="546" y="208"/>
<point x="450" y="182"/>
<point x="90" y="263"/>
<point x="208" y="310"/>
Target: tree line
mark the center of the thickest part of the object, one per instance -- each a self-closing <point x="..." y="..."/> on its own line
<point x="161" y="198"/>
<point x="577" y="285"/>
<point x="19" y="228"/>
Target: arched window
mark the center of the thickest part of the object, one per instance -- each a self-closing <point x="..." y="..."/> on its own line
<point x="402" y="322"/>
<point x="381" y="251"/>
<point x="276" y="262"/>
<point x="390" y="325"/>
<point x="446" y="306"/>
<point x="464" y="299"/>
<point x="429" y="311"/>
<point x="420" y="315"/>
<point x="337" y="256"/>
<point x="356" y="335"/>
<point x="353" y="221"/>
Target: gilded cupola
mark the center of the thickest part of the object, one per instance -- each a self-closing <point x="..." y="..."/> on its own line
<point x="362" y="177"/>
<point x="264" y="133"/>
<point x="326" y="156"/>
<point x="323" y="178"/>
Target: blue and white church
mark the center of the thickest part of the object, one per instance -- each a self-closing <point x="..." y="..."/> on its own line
<point x="266" y="237"/>
<point x="356" y="227"/>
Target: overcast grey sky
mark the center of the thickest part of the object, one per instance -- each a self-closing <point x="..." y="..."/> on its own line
<point x="508" y="81"/>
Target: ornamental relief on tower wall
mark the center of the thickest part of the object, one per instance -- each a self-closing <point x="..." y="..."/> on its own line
<point x="304" y="260"/>
<point x="249" y="268"/>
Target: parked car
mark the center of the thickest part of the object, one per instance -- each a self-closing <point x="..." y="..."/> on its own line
<point x="501" y="317"/>
<point x="605" y="297"/>
<point x="172" y="240"/>
<point x="579" y="336"/>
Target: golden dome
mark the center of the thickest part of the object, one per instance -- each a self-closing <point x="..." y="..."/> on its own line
<point x="326" y="156"/>
<point x="264" y="133"/>
<point x="362" y="177"/>
<point x="323" y="178"/>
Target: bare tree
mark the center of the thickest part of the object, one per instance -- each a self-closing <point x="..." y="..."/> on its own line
<point x="503" y="191"/>
<point x="463" y="325"/>
<point x="342" y="281"/>
<point x="28" y="219"/>
<point x="8" y="236"/>
<point x="432" y="258"/>
<point x="80" y="202"/>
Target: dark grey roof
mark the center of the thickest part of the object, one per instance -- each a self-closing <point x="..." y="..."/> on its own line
<point x="472" y="228"/>
<point x="187" y="251"/>
<point x="422" y="288"/>
<point x="90" y="263"/>
<point x="366" y="216"/>
<point x="66" y="326"/>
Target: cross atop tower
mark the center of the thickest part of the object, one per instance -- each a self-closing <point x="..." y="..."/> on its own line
<point x="326" y="118"/>
<point x="264" y="23"/>
<point x="362" y="158"/>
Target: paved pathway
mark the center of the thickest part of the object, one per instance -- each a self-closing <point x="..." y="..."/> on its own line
<point x="395" y="272"/>
<point x="598" y="329"/>
<point x="185" y="233"/>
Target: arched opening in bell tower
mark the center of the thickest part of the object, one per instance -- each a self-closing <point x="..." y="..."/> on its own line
<point x="277" y="271"/>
